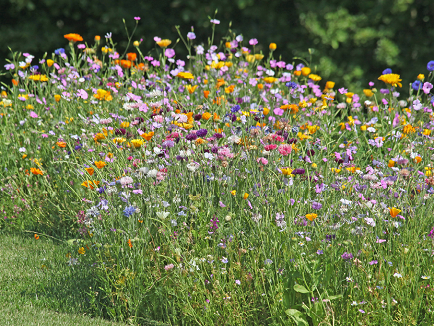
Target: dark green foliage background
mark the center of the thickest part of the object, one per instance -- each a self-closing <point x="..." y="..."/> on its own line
<point x="352" y="41"/>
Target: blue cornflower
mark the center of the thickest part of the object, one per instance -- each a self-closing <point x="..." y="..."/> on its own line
<point x="59" y="51"/>
<point x="236" y="108"/>
<point x="430" y="65"/>
<point x="291" y="84"/>
<point x="387" y="71"/>
<point x="130" y="210"/>
<point x="417" y="85"/>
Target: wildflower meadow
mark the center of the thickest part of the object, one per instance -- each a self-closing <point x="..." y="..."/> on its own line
<point x="228" y="187"/>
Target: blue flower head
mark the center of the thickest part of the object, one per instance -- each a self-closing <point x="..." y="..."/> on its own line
<point x="387" y="71"/>
<point x="291" y="84"/>
<point x="430" y="65"/>
<point x="417" y="85"/>
<point x="59" y="51"/>
<point x="130" y="210"/>
<point x="236" y="108"/>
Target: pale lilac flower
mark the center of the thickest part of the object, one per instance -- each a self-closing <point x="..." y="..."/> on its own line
<point x="170" y="53"/>
<point x="253" y="41"/>
<point x="191" y="35"/>
<point x="426" y="87"/>
<point x="215" y="21"/>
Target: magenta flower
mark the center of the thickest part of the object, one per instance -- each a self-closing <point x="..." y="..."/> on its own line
<point x="137" y="18"/>
<point x="33" y="114"/>
<point x="253" y="41"/>
<point x="170" y="53"/>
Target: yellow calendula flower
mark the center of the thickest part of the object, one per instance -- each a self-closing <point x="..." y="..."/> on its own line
<point x="233" y="192"/>
<point x="314" y="77"/>
<point x="137" y="142"/>
<point x="191" y="88"/>
<point x="42" y="78"/>
<point x="391" y="79"/>
<point x="311" y="216"/>
<point x="270" y="80"/>
<point x="368" y="92"/>
<point x="259" y="56"/>
<point x="81" y="251"/>
<point x="287" y="171"/>
<point x="305" y="71"/>
<point x="164" y="43"/>
<point x="185" y="75"/>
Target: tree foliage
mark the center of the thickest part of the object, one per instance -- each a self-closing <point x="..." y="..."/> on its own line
<point x="351" y="42"/>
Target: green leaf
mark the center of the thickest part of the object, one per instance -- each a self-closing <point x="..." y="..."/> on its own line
<point x="297" y="316"/>
<point x="300" y="288"/>
<point x="333" y="297"/>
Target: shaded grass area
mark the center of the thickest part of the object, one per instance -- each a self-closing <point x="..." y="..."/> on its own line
<point x="38" y="287"/>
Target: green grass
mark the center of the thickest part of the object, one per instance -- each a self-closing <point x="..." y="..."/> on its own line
<point x="38" y="287"/>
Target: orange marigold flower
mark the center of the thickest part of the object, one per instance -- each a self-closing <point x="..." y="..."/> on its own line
<point x="273" y="46"/>
<point x="311" y="216"/>
<point x="36" y="236"/>
<point x="100" y="164"/>
<point x="206" y="115"/>
<point x="90" y="170"/>
<point x="36" y="171"/>
<point x="394" y="211"/>
<point x="132" y="56"/>
<point x="206" y="93"/>
<point x="129" y="243"/>
<point x="148" y="136"/>
<point x="61" y="144"/>
<point x="72" y="37"/>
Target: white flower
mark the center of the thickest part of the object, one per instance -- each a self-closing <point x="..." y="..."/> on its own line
<point x="162" y="215"/>
<point x="370" y="221"/>
<point x="126" y="181"/>
<point x="192" y="166"/>
<point x="152" y="173"/>
<point x="22" y="149"/>
<point x="234" y="139"/>
<point x="397" y="275"/>
<point x="157" y="150"/>
<point x="209" y="156"/>
<point x="346" y="202"/>
<point x="371" y="129"/>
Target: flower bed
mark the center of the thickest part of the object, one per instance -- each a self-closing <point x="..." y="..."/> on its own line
<point x="228" y="188"/>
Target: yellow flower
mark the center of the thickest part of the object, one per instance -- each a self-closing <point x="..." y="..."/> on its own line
<point x="57" y="97"/>
<point x="81" y="251"/>
<point x="391" y="164"/>
<point x="305" y="71"/>
<point x="233" y="192"/>
<point x="273" y="46"/>
<point x="421" y="76"/>
<point x="90" y="170"/>
<point x="314" y="77"/>
<point x="368" y="92"/>
<point x="330" y="85"/>
<point x="185" y="75"/>
<point x="50" y="62"/>
<point x="191" y="88"/>
<point x="311" y="216"/>
<point x="250" y="58"/>
<point x="164" y="43"/>
<point x="42" y="78"/>
<point x="125" y="124"/>
<point x="259" y="56"/>
<point x="391" y="79"/>
<point x="245" y="195"/>
<point x="270" y="80"/>
<point x="137" y="143"/>
<point x="287" y="171"/>
<point x="136" y="43"/>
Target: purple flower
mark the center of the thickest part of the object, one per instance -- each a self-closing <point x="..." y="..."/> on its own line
<point x="347" y="255"/>
<point x="9" y="66"/>
<point x="170" y="53"/>
<point x="201" y="132"/>
<point x="430" y="66"/>
<point x="316" y="205"/>
<point x="191" y="35"/>
<point x="431" y="234"/>
<point x="387" y="71"/>
<point x="374" y="262"/>
<point x="299" y="171"/>
<point x="191" y="136"/>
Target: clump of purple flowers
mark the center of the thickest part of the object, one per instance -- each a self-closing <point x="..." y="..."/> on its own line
<point x="280" y="221"/>
<point x="214" y="225"/>
<point x="347" y="255"/>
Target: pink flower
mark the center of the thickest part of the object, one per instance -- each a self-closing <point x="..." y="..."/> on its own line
<point x="170" y="53"/>
<point x="158" y="118"/>
<point x="262" y="160"/>
<point x="253" y="41"/>
<point x="33" y="114"/>
<point x="270" y="147"/>
<point x="285" y="149"/>
<point x="44" y="135"/>
<point x="169" y="267"/>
